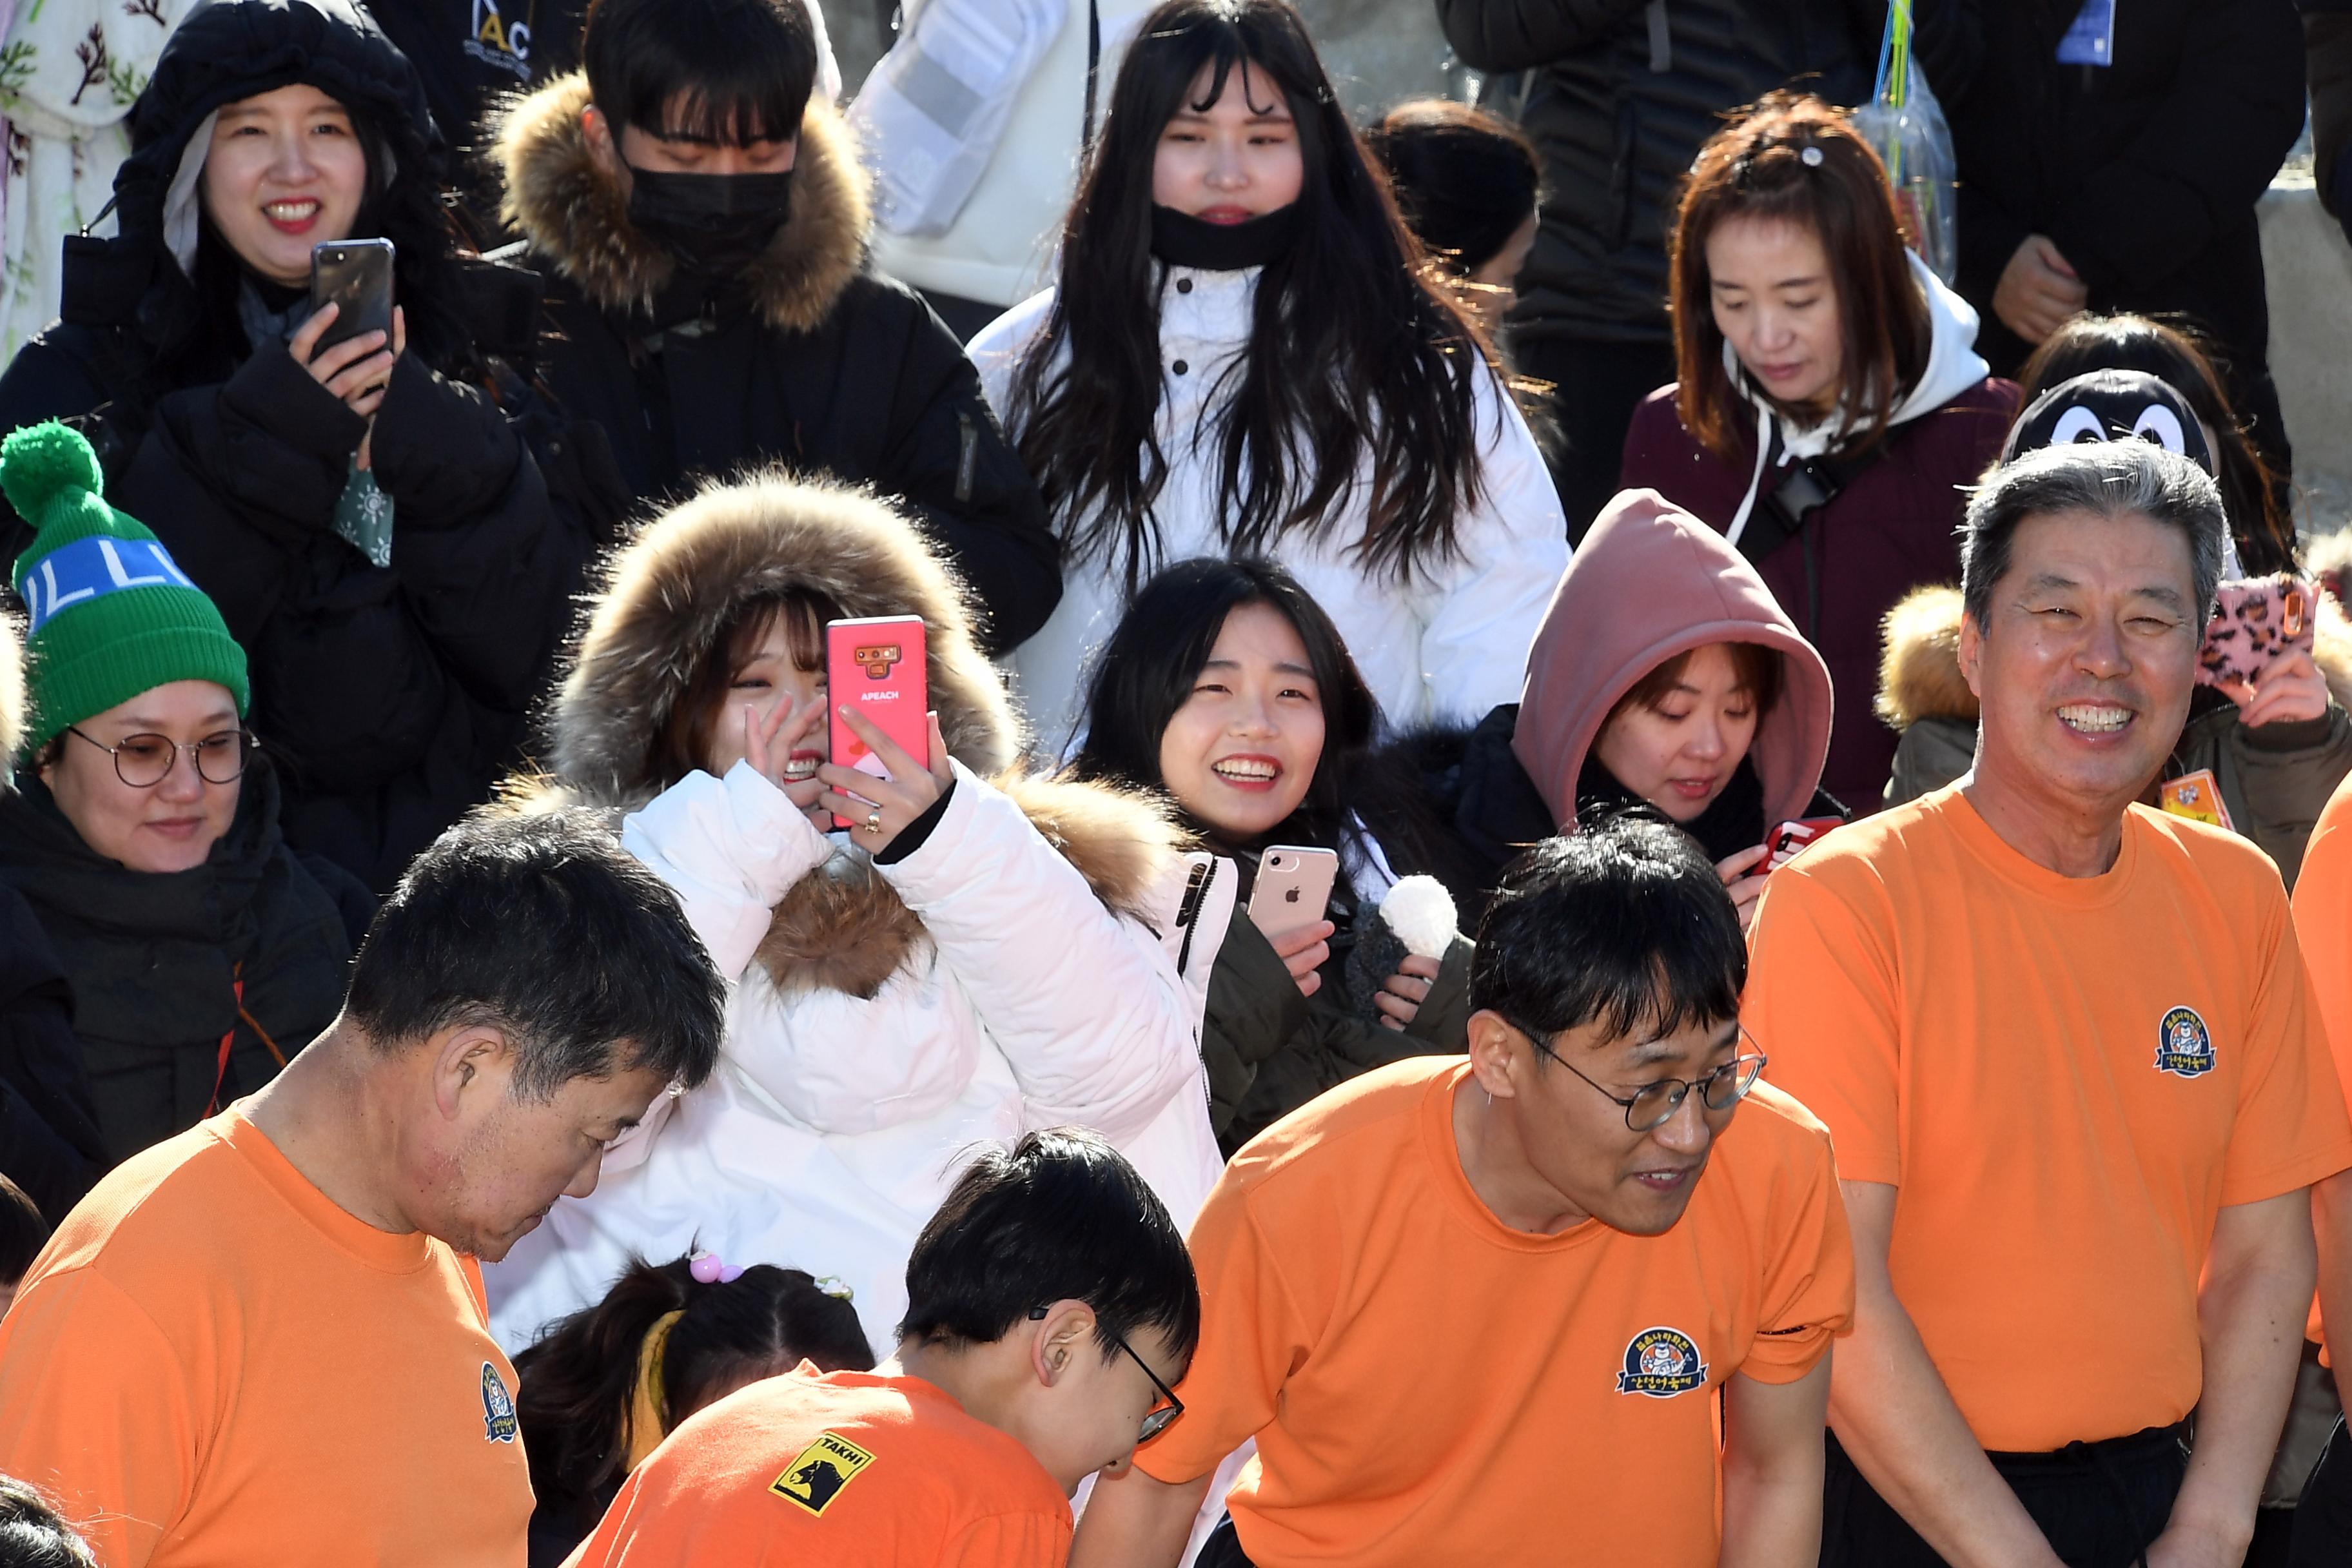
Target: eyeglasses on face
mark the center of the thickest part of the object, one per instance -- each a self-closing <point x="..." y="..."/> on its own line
<point x="1653" y="1105"/>
<point x="1159" y="1417"/>
<point x="144" y="761"/>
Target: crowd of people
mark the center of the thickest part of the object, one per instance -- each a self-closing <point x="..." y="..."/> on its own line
<point x="1569" y="887"/>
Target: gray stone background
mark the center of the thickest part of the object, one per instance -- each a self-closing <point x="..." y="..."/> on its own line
<point x="1382" y="51"/>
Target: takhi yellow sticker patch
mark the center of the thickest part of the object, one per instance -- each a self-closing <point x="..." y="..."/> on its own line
<point x="819" y="1471"/>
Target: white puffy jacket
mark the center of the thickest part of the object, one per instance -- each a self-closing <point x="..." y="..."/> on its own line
<point x="834" y="1125"/>
<point x="1450" y="645"/>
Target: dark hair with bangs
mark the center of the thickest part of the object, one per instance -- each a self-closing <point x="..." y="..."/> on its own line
<point x="2179" y="354"/>
<point x="720" y="71"/>
<point x="1756" y="168"/>
<point x="1148" y="669"/>
<point x="544" y="928"/>
<point x="1059" y="1217"/>
<point x="682" y="743"/>
<point x="1357" y="356"/>
<point x="1624" y="922"/>
<point x="1755" y="668"/>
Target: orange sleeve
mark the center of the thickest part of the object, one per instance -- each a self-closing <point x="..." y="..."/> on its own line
<point x="1008" y="1541"/>
<point x="1251" y="1338"/>
<point x="2291" y="1129"/>
<point x="2323" y="930"/>
<point x="1821" y="1003"/>
<point x="1808" y="1283"/>
<point x="94" y="1412"/>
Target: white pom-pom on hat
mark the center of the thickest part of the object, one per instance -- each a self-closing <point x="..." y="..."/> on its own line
<point x="1421" y="913"/>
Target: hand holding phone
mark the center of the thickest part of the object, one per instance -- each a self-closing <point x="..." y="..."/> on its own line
<point x="2256" y="622"/>
<point x="1293" y="887"/>
<point x="877" y="668"/>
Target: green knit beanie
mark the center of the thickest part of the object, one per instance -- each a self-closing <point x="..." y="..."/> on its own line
<point x="111" y="615"/>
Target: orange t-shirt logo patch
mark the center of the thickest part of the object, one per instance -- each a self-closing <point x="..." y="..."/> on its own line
<point x="1662" y="1362"/>
<point x="2184" y="1046"/>
<point x="498" y="1407"/>
<point x="819" y="1471"/>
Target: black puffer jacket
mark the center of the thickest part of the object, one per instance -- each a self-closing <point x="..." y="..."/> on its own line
<point x="1617" y="110"/>
<point x="250" y="946"/>
<point x="396" y="695"/>
<point x="49" y="1141"/>
<point x="810" y="359"/>
<point x="2144" y="174"/>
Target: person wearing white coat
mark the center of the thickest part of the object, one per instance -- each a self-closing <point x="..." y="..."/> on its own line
<point x="1437" y="563"/>
<point x="1015" y="957"/>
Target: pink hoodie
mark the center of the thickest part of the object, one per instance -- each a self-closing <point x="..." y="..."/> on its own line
<point x="1649" y="581"/>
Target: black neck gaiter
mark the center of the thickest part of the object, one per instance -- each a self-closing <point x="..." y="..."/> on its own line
<point x="1179" y="239"/>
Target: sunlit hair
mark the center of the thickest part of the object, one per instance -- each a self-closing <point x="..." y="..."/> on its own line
<point x="1357" y="362"/>
<point x="1757" y="168"/>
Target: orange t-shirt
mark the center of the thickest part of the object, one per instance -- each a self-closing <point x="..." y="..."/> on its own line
<point x="1427" y="1384"/>
<point x="846" y="1468"/>
<point x="212" y="1366"/>
<point x="2066" y="1078"/>
<point x="2323" y="926"/>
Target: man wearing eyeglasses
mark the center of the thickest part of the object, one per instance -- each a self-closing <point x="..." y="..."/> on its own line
<point x="1050" y="1303"/>
<point x="2061" y="1042"/>
<point x="1489" y="1310"/>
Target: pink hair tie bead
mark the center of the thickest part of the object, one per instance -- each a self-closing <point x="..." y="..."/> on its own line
<point x="708" y="1269"/>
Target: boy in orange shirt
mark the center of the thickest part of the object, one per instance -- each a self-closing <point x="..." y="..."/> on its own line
<point x="264" y="1341"/>
<point x="1050" y="1303"/>
<point x="1551" y="1303"/>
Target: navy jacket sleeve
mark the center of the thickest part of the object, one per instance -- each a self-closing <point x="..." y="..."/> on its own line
<point x="50" y="1143"/>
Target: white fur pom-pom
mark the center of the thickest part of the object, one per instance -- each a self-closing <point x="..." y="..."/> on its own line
<point x="1421" y="913"/>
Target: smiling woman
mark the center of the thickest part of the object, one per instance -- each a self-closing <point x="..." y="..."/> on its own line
<point x="141" y="830"/>
<point x="285" y="170"/>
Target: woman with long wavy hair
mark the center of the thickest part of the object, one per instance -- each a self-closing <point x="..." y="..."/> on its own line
<point x="1247" y="354"/>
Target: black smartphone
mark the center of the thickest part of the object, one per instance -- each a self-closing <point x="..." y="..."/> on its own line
<point x="355" y="276"/>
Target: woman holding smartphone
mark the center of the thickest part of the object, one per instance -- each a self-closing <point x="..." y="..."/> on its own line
<point x="1227" y="688"/>
<point x="376" y="534"/>
<point x="1246" y="355"/>
<point x="979" y="953"/>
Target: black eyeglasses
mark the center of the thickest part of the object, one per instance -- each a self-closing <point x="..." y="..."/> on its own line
<point x="1655" y="1104"/>
<point x="144" y="761"/>
<point x="1159" y="1417"/>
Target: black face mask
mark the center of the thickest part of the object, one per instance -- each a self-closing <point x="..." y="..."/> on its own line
<point x="713" y="224"/>
<point x="1180" y="239"/>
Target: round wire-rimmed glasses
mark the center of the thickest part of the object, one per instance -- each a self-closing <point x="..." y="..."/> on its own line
<point x="143" y="760"/>
<point x="1653" y="1105"/>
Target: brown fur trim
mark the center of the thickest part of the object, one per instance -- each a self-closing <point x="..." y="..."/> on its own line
<point x="1919" y="665"/>
<point x="571" y="211"/>
<point x="843" y="928"/>
<point x="664" y="596"/>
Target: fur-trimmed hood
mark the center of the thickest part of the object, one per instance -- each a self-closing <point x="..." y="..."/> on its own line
<point x="658" y="610"/>
<point x="1919" y="661"/>
<point x="572" y="213"/>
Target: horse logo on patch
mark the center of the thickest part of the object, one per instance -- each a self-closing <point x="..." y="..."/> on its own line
<point x="498" y="1407"/>
<point x="1662" y="1362"/>
<point x="819" y="1471"/>
<point x="2184" y="1046"/>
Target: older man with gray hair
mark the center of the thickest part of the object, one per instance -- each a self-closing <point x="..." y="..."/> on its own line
<point x="2061" y="1042"/>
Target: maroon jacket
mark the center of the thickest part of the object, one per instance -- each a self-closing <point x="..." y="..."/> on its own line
<point x="1890" y="530"/>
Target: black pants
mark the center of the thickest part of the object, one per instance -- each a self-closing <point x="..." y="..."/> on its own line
<point x="2323" y="1520"/>
<point x="1595" y="388"/>
<point x="2098" y="1504"/>
<point x="1222" y="1548"/>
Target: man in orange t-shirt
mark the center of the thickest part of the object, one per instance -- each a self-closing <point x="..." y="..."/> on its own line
<point x="2323" y="925"/>
<point x="1049" y="1302"/>
<point x="2063" y="1045"/>
<point x="1553" y="1303"/>
<point x="264" y="1341"/>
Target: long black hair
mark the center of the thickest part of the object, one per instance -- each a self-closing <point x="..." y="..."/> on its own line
<point x="579" y="1380"/>
<point x="1147" y="669"/>
<point x="1354" y="350"/>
